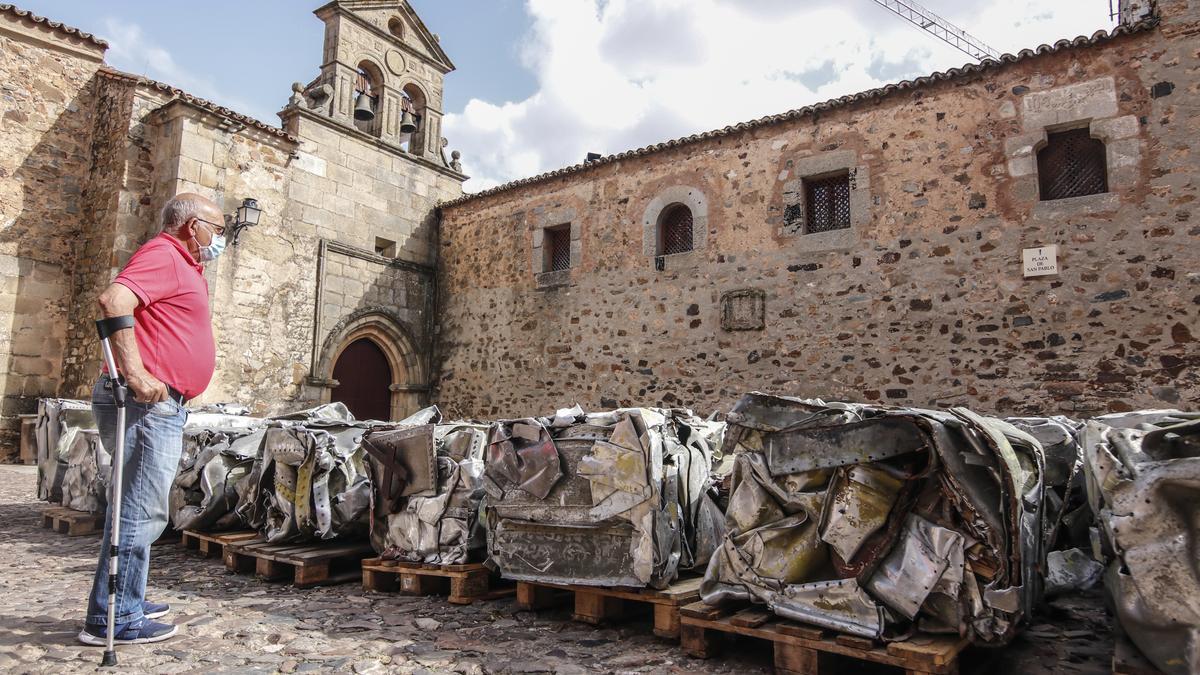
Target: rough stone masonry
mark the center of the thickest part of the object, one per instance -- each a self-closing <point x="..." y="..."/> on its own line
<point x="920" y="300"/>
<point x="345" y="250"/>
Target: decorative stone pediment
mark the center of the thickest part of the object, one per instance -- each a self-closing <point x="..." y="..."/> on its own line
<point x="394" y="21"/>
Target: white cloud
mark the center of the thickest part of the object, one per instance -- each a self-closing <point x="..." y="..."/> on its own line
<point x="619" y="74"/>
<point x="131" y="50"/>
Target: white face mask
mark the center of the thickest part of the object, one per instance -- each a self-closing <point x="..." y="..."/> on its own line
<point x="214" y="248"/>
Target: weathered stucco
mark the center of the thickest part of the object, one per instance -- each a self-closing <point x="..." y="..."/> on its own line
<point x="922" y="301"/>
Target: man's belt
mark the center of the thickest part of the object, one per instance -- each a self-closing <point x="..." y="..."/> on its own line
<point x="172" y="393"/>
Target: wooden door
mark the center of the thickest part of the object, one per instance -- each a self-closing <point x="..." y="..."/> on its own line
<point x="364" y="380"/>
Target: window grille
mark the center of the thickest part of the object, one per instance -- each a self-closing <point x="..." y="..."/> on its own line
<point x="1072" y="164"/>
<point x="675" y="232"/>
<point x="827" y="203"/>
<point x="558" y="248"/>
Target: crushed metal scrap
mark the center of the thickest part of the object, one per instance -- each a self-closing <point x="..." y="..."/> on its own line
<point x="428" y="478"/>
<point x="1143" y="482"/>
<point x="309" y="482"/>
<point x="879" y="521"/>
<point x="218" y="454"/>
<point x="620" y="498"/>
<point x="72" y="464"/>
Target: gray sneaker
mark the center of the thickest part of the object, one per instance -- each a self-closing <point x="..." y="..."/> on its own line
<point x="138" y="632"/>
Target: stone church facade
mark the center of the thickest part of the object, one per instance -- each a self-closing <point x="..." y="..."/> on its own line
<point x="868" y="248"/>
<point x="345" y="250"/>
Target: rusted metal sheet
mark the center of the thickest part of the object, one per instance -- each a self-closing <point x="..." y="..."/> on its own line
<point x="215" y="463"/>
<point x="564" y="554"/>
<point x="404" y="461"/>
<point x="438" y="525"/>
<point x="310" y="480"/>
<point x="917" y="518"/>
<point x="1143" y="482"/>
<point x="823" y="447"/>
<point x="59" y="421"/>
<point x="618" y="498"/>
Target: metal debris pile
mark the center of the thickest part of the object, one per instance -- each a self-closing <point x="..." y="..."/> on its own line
<point x="428" y="478"/>
<point x="73" y="466"/>
<point x="1143" y="482"/>
<point x="296" y="477"/>
<point x="218" y="454"/>
<point x="881" y="521"/>
<point x="309" y="482"/>
<point x="619" y="498"/>
<point x="871" y="520"/>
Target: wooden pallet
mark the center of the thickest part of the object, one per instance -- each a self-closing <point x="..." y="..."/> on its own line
<point x="310" y="564"/>
<point x="71" y="522"/>
<point x="465" y="583"/>
<point x="599" y="604"/>
<point x="809" y="650"/>
<point x="212" y="544"/>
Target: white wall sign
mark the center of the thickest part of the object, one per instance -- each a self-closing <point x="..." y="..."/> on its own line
<point x="1041" y="261"/>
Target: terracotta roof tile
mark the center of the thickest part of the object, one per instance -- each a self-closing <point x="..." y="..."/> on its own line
<point x="175" y="92"/>
<point x="54" y="25"/>
<point x="1099" y="37"/>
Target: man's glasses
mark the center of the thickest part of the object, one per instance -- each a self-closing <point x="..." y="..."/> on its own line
<point x="219" y="229"/>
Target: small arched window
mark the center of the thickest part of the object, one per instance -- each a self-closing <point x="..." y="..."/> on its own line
<point x="396" y="27"/>
<point x="675" y="230"/>
<point x="1072" y="164"/>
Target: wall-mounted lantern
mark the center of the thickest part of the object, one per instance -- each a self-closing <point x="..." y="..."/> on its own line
<point x="247" y="216"/>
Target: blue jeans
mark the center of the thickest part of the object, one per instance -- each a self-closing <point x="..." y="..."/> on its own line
<point x="153" y="444"/>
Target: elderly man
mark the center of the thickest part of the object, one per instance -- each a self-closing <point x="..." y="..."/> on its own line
<point x="167" y="359"/>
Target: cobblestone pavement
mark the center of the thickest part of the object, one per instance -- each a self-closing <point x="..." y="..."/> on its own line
<point x="233" y="623"/>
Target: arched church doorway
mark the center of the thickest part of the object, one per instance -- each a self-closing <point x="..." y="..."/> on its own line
<point x="364" y="379"/>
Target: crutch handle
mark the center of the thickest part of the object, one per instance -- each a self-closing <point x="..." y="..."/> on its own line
<point x="106" y="327"/>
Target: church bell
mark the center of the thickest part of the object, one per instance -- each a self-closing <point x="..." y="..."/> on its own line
<point x="408" y="123"/>
<point x="363" y="110"/>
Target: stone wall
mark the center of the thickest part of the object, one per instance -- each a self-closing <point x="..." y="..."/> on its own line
<point x="375" y="207"/>
<point x="284" y="295"/>
<point x="921" y="301"/>
<point x="345" y="248"/>
<point x="47" y="94"/>
<point x="118" y="213"/>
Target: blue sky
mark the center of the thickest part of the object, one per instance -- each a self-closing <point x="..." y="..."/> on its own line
<point x="542" y="82"/>
<point x="251" y="51"/>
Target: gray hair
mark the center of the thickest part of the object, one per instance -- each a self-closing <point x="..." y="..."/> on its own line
<point x="178" y="210"/>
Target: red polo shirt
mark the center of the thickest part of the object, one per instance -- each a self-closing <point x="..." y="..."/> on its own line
<point x="174" y="326"/>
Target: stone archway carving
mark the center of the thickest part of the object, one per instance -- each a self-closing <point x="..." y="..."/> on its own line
<point x="410" y="373"/>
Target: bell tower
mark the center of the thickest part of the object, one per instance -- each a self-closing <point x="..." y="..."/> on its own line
<point x="382" y="73"/>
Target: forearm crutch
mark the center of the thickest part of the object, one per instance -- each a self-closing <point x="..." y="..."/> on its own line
<point x="106" y="327"/>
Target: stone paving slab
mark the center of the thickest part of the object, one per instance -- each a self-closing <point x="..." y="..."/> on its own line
<point x="233" y="623"/>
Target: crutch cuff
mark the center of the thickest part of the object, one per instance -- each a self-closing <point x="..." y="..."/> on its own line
<point x="106" y="327"/>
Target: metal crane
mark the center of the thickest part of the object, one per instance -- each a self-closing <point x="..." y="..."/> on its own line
<point x="940" y="28"/>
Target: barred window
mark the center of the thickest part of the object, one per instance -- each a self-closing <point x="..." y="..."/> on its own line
<point x="1072" y="164"/>
<point x="827" y="203"/>
<point x="675" y="230"/>
<point x="558" y="248"/>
